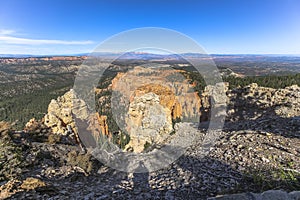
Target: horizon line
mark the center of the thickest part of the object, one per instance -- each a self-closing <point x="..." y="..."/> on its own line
<point x="86" y="54"/>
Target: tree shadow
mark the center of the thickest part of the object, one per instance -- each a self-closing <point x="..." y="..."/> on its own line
<point x="250" y="113"/>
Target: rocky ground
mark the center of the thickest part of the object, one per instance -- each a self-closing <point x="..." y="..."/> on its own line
<point x="257" y="150"/>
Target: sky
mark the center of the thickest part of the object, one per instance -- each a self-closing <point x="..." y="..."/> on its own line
<point x="60" y="27"/>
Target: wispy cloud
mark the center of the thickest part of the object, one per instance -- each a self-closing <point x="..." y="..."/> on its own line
<point x="17" y="40"/>
<point x="7" y="38"/>
<point x="6" y="32"/>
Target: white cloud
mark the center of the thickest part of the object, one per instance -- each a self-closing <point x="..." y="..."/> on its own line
<point x="7" y="38"/>
<point x="17" y="40"/>
<point x="6" y="32"/>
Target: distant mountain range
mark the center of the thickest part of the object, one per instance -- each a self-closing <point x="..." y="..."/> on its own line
<point x="145" y="55"/>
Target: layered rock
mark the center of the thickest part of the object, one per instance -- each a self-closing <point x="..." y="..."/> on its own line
<point x="214" y="98"/>
<point x="152" y="100"/>
<point x="249" y="102"/>
<point x="69" y="116"/>
<point x="60" y="116"/>
<point x="249" y="155"/>
<point x="154" y="107"/>
<point x="253" y="101"/>
<point x="102" y="120"/>
<point x="174" y="89"/>
<point x="166" y="98"/>
<point x="148" y="122"/>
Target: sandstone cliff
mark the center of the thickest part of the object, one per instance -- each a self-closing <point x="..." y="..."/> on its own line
<point x="61" y="111"/>
<point x="153" y="104"/>
<point x="174" y="90"/>
<point x="148" y="121"/>
<point x="258" y="150"/>
<point x="153" y="100"/>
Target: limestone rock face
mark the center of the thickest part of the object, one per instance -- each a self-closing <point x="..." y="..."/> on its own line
<point x="61" y="120"/>
<point x="32" y="183"/>
<point x="31" y="124"/>
<point x="148" y="121"/>
<point x="166" y="98"/>
<point x="152" y="100"/>
<point x="252" y="101"/>
<point x="173" y="88"/>
<point x="213" y="97"/>
<point x="102" y="120"/>
<point x="61" y="111"/>
<point x="249" y="102"/>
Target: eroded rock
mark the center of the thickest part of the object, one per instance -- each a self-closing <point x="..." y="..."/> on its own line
<point x="148" y="122"/>
<point x="60" y="116"/>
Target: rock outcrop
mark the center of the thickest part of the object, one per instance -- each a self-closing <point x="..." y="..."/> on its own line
<point x="253" y="101"/>
<point x="174" y="89"/>
<point x="153" y="107"/>
<point x="153" y="99"/>
<point x="60" y="116"/>
<point x="102" y="120"/>
<point x="213" y="104"/>
<point x="249" y="102"/>
<point x="258" y="150"/>
<point x="148" y="122"/>
<point x="167" y="98"/>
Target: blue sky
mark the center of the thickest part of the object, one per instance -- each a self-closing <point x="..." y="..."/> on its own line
<point x="219" y="26"/>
